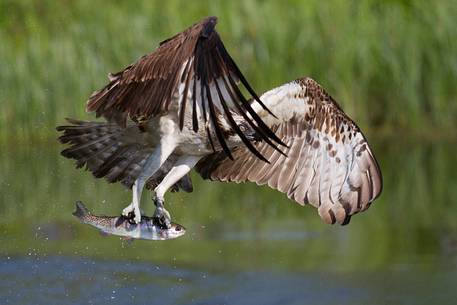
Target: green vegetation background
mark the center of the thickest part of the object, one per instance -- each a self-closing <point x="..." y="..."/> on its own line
<point x="391" y="64"/>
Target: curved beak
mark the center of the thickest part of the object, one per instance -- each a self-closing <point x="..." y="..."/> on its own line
<point x="252" y="136"/>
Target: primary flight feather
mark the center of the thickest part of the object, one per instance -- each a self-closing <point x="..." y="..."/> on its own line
<point x="181" y="107"/>
<point x="328" y="164"/>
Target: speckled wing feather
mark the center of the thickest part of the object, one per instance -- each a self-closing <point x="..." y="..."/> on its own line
<point x="192" y="71"/>
<point x="328" y="165"/>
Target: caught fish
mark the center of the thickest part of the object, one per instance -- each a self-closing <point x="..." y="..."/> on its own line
<point x="122" y="226"/>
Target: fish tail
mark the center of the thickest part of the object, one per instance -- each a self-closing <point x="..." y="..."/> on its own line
<point x="81" y="210"/>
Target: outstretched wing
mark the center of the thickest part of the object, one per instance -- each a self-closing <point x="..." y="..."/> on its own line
<point x="193" y="67"/>
<point x="328" y="165"/>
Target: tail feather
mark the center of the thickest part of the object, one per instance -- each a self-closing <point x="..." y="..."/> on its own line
<point x="112" y="151"/>
<point x="89" y="145"/>
<point x="92" y="160"/>
<point x="135" y="168"/>
<point x="102" y="148"/>
<point x="133" y="165"/>
<point x="120" y="154"/>
<point x="81" y="210"/>
<point x="115" y="173"/>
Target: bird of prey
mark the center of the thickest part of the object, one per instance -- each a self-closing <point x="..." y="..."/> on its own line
<point x="182" y="107"/>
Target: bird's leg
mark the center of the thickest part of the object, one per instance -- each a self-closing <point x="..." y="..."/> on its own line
<point x="153" y="163"/>
<point x="182" y="166"/>
<point x="161" y="216"/>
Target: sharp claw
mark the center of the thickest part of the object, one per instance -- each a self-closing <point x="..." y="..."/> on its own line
<point x="133" y="217"/>
<point x="167" y="223"/>
<point x="163" y="223"/>
<point x="126" y="212"/>
<point x="162" y="218"/>
<point x="130" y="218"/>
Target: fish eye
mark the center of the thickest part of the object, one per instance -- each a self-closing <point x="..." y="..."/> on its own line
<point x="242" y="128"/>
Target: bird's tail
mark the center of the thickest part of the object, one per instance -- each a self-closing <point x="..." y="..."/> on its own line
<point x="106" y="149"/>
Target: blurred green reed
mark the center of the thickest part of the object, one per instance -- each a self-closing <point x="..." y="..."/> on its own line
<point x="391" y="64"/>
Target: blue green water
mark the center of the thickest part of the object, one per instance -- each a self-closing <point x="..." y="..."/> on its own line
<point x="72" y="280"/>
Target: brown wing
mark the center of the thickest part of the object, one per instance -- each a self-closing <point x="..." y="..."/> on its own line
<point x="328" y="165"/>
<point x="193" y="67"/>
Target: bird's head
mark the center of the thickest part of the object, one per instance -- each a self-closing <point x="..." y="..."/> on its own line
<point x="245" y="128"/>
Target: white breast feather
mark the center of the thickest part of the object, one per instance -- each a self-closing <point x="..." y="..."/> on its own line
<point x="283" y="101"/>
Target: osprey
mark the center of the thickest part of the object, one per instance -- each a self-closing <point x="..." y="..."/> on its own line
<point x="182" y="107"/>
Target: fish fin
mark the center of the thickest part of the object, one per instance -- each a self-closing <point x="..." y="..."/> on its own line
<point x="128" y="240"/>
<point x="81" y="210"/>
<point x="103" y="233"/>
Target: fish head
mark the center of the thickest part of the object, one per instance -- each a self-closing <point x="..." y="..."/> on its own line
<point x="176" y="230"/>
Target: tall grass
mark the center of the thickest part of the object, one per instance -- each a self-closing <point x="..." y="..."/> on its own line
<point x="391" y="64"/>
